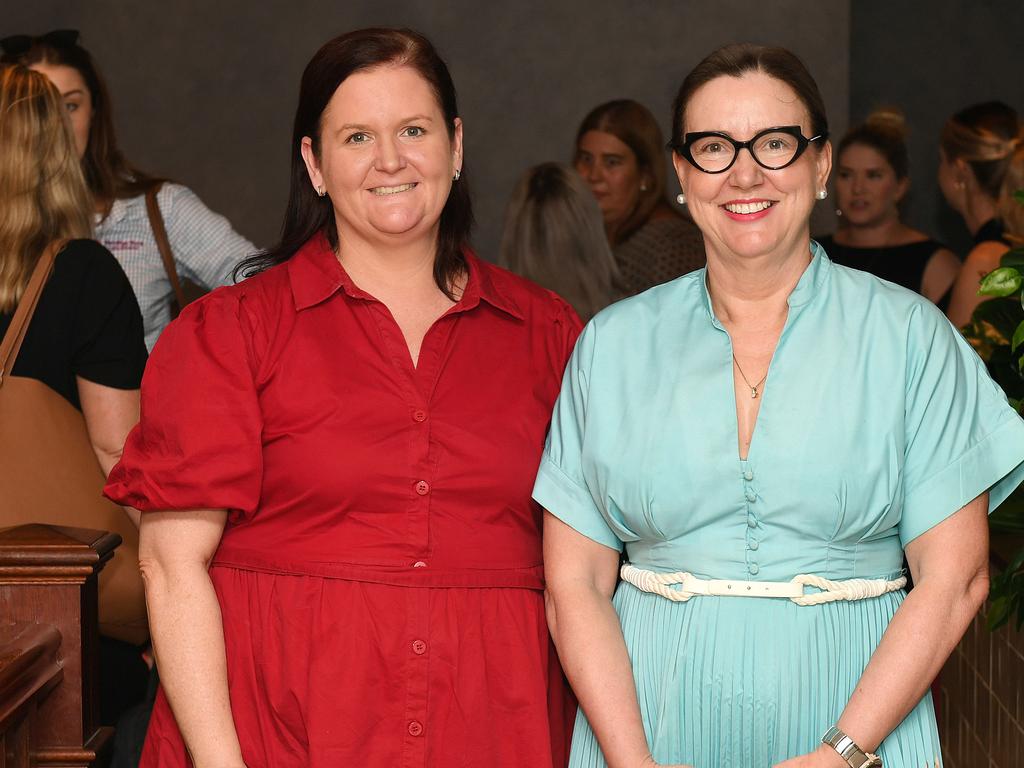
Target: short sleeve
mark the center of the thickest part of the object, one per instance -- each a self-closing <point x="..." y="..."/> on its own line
<point x="108" y="344"/>
<point x="561" y="487"/>
<point x="962" y="437"/>
<point x="206" y="247"/>
<point x="198" y="442"/>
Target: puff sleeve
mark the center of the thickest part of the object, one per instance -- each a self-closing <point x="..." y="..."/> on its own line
<point x="561" y="486"/>
<point x="198" y="443"/>
<point x="961" y="436"/>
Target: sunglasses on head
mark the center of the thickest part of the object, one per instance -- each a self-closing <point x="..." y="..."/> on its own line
<point x="16" y="45"/>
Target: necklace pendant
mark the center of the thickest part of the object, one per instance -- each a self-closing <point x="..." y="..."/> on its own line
<point x="753" y="392"/>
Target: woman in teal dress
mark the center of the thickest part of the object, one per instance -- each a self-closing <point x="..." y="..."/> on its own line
<point x="878" y="432"/>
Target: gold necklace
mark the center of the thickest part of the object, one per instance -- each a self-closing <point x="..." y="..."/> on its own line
<point x="753" y="387"/>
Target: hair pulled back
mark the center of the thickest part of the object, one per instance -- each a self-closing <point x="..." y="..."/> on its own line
<point x="986" y="137"/>
<point x="885" y="131"/>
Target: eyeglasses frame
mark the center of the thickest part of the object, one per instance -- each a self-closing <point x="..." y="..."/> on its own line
<point x="683" y="149"/>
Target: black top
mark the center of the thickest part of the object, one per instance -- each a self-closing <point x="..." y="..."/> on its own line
<point x="900" y="264"/>
<point x="87" y="323"/>
<point x="991" y="230"/>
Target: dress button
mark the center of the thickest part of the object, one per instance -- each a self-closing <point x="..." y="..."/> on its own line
<point x="422" y="487"/>
<point x="419" y="564"/>
<point x="419" y="647"/>
<point x="748" y="475"/>
<point x="754" y="544"/>
<point x="415" y="728"/>
<point x="751" y="496"/>
<point x="753" y="568"/>
<point x="419" y="415"/>
<point x="752" y="521"/>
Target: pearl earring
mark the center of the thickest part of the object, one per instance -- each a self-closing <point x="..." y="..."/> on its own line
<point x="822" y="193"/>
<point x="839" y="211"/>
<point x="320" y="191"/>
<point x="681" y="198"/>
<point x="643" y="186"/>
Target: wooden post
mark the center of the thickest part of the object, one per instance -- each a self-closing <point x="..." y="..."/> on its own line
<point x="48" y="576"/>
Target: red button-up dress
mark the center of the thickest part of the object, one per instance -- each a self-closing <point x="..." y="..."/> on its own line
<point x="380" y="574"/>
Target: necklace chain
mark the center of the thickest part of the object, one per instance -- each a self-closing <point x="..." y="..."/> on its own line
<point x="753" y="387"/>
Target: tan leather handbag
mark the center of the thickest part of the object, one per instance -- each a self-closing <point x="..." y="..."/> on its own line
<point x="49" y="472"/>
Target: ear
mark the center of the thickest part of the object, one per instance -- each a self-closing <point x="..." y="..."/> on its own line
<point x="682" y="168"/>
<point x="902" y="188"/>
<point x="312" y="164"/>
<point x="457" y="145"/>
<point x="824" y="165"/>
<point x="963" y="171"/>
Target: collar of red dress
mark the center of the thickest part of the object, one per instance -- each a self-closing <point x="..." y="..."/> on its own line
<point x="316" y="275"/>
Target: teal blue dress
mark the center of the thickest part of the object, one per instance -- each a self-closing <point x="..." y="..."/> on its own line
<point x="878" y="422"/>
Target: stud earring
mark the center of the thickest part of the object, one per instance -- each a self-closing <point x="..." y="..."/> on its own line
<point x="643" y="186"/>
<point x="839" y="211"/>
<point x="681" y="198"/>
<point x="822" y="193"/>
<point x="458" y="175"/>
<point x="320" y="191"/>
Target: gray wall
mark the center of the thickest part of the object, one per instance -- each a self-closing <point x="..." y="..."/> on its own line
<point x="931" y="58"/>
<point x="204" y="92"/>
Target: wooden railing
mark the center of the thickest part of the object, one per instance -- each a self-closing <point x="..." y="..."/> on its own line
<point x="49" y="646"/>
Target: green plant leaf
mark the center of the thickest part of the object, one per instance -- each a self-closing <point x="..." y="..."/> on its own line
<point x="999" y="611"/>
<point x="1019" y="196"/>
<point x="1004" y="281"/>
<point x="1018" y="337"/>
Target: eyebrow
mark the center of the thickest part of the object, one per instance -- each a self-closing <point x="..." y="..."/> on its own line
<point x="403" y="121"/>
<point x="75" y="92"/>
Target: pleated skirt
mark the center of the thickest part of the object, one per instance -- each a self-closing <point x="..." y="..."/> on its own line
<point x="750" y="682"/>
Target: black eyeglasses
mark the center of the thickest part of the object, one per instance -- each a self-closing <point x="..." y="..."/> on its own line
<point x="772" y="148"/>
<point x="17" y="45"/>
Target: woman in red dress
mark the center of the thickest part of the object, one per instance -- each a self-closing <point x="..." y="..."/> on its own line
<point x="335" y="459"/>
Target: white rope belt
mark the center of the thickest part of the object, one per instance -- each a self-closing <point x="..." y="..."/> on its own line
<point x="690" y="585"/>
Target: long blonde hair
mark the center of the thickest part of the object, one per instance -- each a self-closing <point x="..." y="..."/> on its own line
<point x="43" y="196"/>
<point x="554" y="235"/>
<point x="1011" y="209"/>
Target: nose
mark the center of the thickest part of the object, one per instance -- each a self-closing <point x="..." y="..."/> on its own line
<point x="745" y="172"/>
<point x="858" y="184"/>
<point x="389" y="157"/>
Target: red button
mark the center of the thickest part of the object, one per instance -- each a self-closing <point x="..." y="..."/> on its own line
<point x="419" y="415"/>
<point x="415" y="728"/>
<point x="422" y="487"/>
<point x="419" y="647"/>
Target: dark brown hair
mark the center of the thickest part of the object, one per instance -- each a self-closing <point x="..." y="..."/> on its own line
<point x="306" y="214"/>
<point x="108" y="174"/>
<point x="738" y="59"/>
<point x="985" y="136"/>
<point x="884" y="131"/>
<point x="634" y="125"/>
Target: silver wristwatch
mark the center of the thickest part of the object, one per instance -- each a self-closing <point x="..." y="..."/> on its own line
<point x="849" y="751"/>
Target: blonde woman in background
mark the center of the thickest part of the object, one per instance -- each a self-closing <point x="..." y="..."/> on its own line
<point x="554" y="235"/>
<point x="978" y="146"/>
<point x="85" y="338"/>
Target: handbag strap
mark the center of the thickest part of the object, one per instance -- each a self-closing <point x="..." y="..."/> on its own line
<point x="11" y="344"/>
<point x="163" y="244"/>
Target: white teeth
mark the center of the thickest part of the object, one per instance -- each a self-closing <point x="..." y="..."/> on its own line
<point x="392" y="190"/>
<point x="748" y="207"/>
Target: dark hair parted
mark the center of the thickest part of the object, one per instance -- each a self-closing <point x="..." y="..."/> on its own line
<point x="634" y="125"/>
<point x="984" y="136"/>
<point x="884" y="131"/>
<point x="739" y="59"/>
<point x="307" y="214"/>
<point x="108" y="174"/>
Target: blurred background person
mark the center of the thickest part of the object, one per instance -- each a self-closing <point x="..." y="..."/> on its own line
<point x="554" y="235"/>
<point x="203" y="246"/>
<point x="977" y="147"/>
<point x="871" y="181"/>
<point x="619" y="153"/>
<point x="85" y="339"/>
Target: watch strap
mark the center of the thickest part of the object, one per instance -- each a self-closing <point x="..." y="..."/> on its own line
<point x="849" y="751"/>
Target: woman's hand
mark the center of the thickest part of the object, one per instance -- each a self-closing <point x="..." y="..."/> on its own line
<point x="823" y="757"/>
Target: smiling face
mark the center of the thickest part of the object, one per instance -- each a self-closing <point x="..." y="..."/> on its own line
<point x="749" y="211"/>
<point x="610" y="169"/>
<point x="867" y="190"/>
<point x="77" y="99"/>
<point x="385" y="157"/>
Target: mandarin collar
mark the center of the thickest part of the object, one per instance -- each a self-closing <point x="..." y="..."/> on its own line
<point x="316" y="274"/>
<point x="807" y="287"/>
